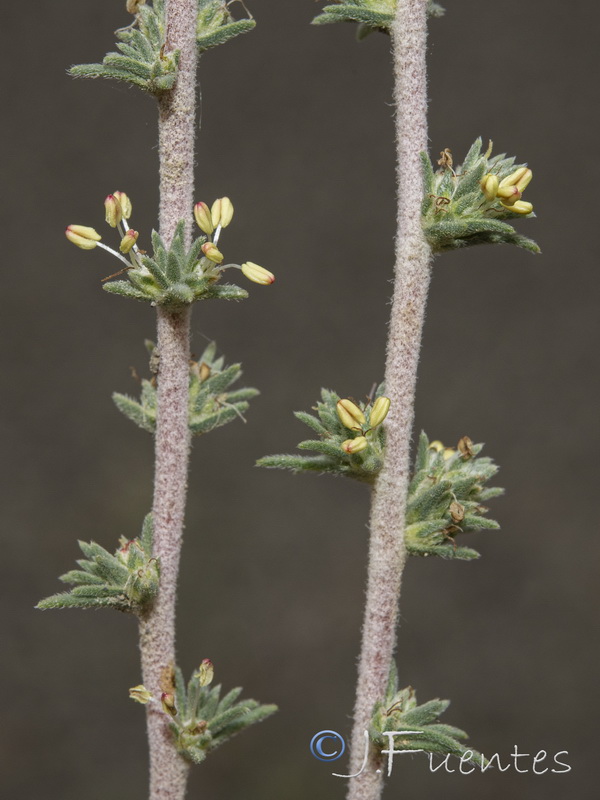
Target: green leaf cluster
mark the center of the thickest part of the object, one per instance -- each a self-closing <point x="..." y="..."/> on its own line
<point x="445" y="497"/>
<point x="455" y="211"/>
<point x="216" y="24"/>
<point x="204" y="720"/>
<point x="126" y="581"/>
<point x="363" y="466"/>
<point x="211" y="404"/>
<point x="142" y="60"/>
<point x="399" y="711"/>
<point x="174" y="277"/>
<point x="372" y="15"/>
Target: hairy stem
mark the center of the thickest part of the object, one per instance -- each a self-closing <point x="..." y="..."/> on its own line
<point x="387" y="553"/>
<point x="168" y="770"/>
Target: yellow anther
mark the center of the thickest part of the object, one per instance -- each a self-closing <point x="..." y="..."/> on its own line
<point x="257" y="274"/>
<point x="489" y="186"/>
<point x="82" y="236"/>
<point x="222" y="212"/>
<point x="519" y="207"/>
<point x="203" y="218"/>
<point x="379" y="412"/>
<point x="352" y="446"/>
<point x="128" y="241"/>
<point x="350" y="415"/>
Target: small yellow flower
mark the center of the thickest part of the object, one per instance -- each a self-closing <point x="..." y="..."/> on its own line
<point x="350" y="415"/>
<point x="212" y="252"/>
<point x="128" y="241"/>
<point x="124" y="202"/>
<point x="489" y="186"/>
<point x="222" y="212"/>
<point x="203" y="218"/>
<point x="519" y="207"/>
<point x="352" y="446"/>
<point x="140" y="694"/>
<point x="205" y="672"/>
<point x="379" y="412"/>
<point x="257" y="274"/>
<point x="82" y="236"/>
<point x="113" y="211"/>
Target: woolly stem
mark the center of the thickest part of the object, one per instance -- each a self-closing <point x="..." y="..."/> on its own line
<point x="387" y="552"/>
<point x="168" y="770"/>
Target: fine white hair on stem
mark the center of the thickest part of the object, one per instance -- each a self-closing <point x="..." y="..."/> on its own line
<point x="387" y="552"/>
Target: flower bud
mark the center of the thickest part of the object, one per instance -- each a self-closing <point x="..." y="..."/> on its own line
<point x="212" y="252"/>
<point x="436" y="445"/>
<point x="350" y="415"/>
<point x="508" y="194"/>
<point x="203" y="218"/>
<point x="82" y="236"/>
<point x="352" y="446"/>
<point x="448" y="453"/>
<point x="125" y="204"/>
<point x="128" y="241"/>
<point x="168" y="703"/>
<point x="140" y="694"/>
<point x="222" y="212"/>
<point x="379" y="412"/>
<point x="206" y="672"/>
<point x="489" y="186"/>
<point x="257" y="274"/>
<point x="519" y="207"/>
<point x="515" y="177"/>
<point x="112" y="207"/>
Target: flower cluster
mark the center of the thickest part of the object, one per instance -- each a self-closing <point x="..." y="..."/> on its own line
<point x="353" y="418"/>
<point x="475" y="202"/>
<point x="199" y="718"/>
<point x="351" y="437"/>
<point x="509" y="190"/>
<point x="173" y="275"/>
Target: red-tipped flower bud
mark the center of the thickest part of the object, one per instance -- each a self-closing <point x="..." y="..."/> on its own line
<point x="212" y="252"/>
<point x="352" y="446"/>
<point x="112" y="207"/>
<point x="128" y="241"/>
<point x="206" y="672"/>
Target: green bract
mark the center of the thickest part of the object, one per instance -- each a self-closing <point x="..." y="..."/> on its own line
<point x="203" y="720"/>
<point x="399" y="712"/>
<point x="211" y="403"/>
<point x="455" y="210"/>
<point x="445" y="497"/>
<point x="126" y="581"/>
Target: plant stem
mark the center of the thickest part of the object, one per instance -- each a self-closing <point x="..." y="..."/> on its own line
<point x="168" y="770"/>
<point x="387" y="553"/>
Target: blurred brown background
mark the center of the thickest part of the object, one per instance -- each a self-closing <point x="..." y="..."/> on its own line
<point x="297" y="130"/>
